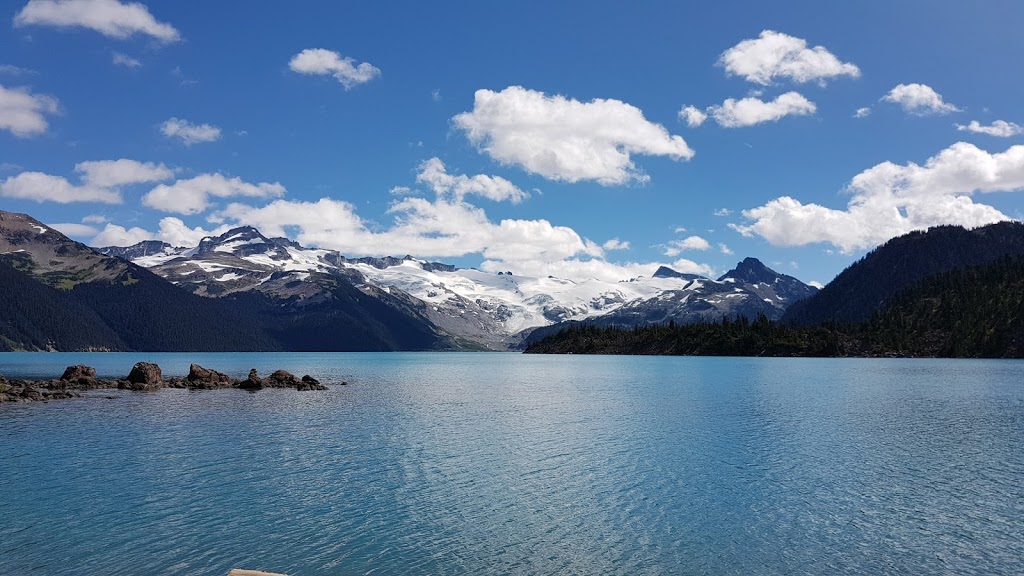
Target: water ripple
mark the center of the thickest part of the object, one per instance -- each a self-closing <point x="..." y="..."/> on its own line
<point x="502" y="464"/>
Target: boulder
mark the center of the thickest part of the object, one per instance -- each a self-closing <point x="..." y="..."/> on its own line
<point x="73" y="373"/>
<point x="145" y="376"/>
<point x="30" y="393"/>
<point x="310" y="383"/>
<point x="253" y="382"/>
<point x="199" y="377"/>
<point x="282" y="379"/>
<point x="79" y="375"/>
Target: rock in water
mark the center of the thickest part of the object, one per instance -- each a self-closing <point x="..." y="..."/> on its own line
<point x="253" y="382"/>
<point x="145" y="376"/>
<point x="199" y="377"/>
<point x="79" y="372"/>
<point x="310" y="383"/>
<point x="282" y="379"/>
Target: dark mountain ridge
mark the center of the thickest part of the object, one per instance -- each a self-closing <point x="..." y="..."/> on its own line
<point x="866" y="285"/>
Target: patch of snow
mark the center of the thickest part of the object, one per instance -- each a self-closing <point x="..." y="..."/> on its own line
<point x="40" y="228"/>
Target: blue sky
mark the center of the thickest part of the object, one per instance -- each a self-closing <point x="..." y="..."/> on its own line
<point x="543" y="138"/>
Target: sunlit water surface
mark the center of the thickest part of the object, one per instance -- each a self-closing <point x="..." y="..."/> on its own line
<point x="510" y="464"/>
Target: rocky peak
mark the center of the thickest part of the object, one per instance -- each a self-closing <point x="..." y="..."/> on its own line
<point x="666" y="272"/>
<point x="140" y="250"/>
<point x="244" y="238"/>
<point x="752" y="271"/>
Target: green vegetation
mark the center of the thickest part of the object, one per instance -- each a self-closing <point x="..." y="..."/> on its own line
<point x="972" y="312"/>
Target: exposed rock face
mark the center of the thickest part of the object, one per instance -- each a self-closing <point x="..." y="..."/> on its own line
<point x="145" y="376"/>
<point x="202" y="378"/>
<point x="253" y="382"/>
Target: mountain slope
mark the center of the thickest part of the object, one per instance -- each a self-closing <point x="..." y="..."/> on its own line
<point x="121" y="305"/>
<point x="465" y="307"/>
<point x="864" y="287"/>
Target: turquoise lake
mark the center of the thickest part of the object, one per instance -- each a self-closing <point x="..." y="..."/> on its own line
<point x="510" y="464"/>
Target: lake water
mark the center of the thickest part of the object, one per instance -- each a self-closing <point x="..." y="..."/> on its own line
<point x="510" y="464"/>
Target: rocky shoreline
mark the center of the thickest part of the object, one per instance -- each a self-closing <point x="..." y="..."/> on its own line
<point x="146" y="377"/>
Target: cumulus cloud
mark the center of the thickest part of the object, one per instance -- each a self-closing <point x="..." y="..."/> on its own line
<point x="564" y="139"/>
<point x="74" y="229"/>
<point x="752" y="110"/>
<point x="188" y="132"/>
<point x="23" y="113"/>
<point x="95" y="219"/>
<point x="724" y="249"/>
<point x="999" y="128"/>
<point x="192" y="195"/>
<point x="108" y="17"/>
<point x="722" y="212"/>
<point x="675" y="247"/>
<point x="125" y="60"/>
<point x="775" y="55"/>
<point x="321" y="62"/>
<point x="919" y="100"/>
<point x="890" y="199"/>
<point x="100" y="181"/>
<point x="615" y="244"/>
<point x="693" y="116"/>
<point x="862" y="112"/>
<point x="172" y="231"/>
<point x="434" y="174"/>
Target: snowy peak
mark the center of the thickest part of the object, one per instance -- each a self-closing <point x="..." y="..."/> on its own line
<point x="767" y="283"/>
<point x="245" y="239"/>
<point x="143" y="249"/>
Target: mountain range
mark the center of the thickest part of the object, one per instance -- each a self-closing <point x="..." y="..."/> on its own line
<point x="244" y="291"/>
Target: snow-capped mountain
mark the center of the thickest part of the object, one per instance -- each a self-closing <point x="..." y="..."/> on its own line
<point x="493" y="310"/>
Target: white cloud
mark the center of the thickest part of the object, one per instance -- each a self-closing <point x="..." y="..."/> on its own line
<point x="750" y="111"/>
<point x="919" y="99"/>
<point x="690" y="267"/>
<point x="564" y="139"/>
<point x="101" y="181"/>
<point x="776" y="55"/>
<point x="725" y="249"/>
<point x="122" y="172"/>
<point x="889" y="200"/>
<point x="435" y="95"/>
<point x="323" y="62"/>
<point x="125" y="60"/>
<point x="693" y="116"/>
<point x="999" y="128"/>
<point x="615" y="244"/>
<point x="433" y="174"/>
<point x="188" y="132"/>
<point x="172" y="231"/>
<point x="816" y="284"/>
<point x="722" y="212"/>
<point x="862" y="112"/>
<point x="192" y="195"/>
<point x="675" y="247"/>
<point x="108" y="17"/>
<point x="95" y="219"/>
<point x="22" y="113"/>
<point x="74" y="230"/>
